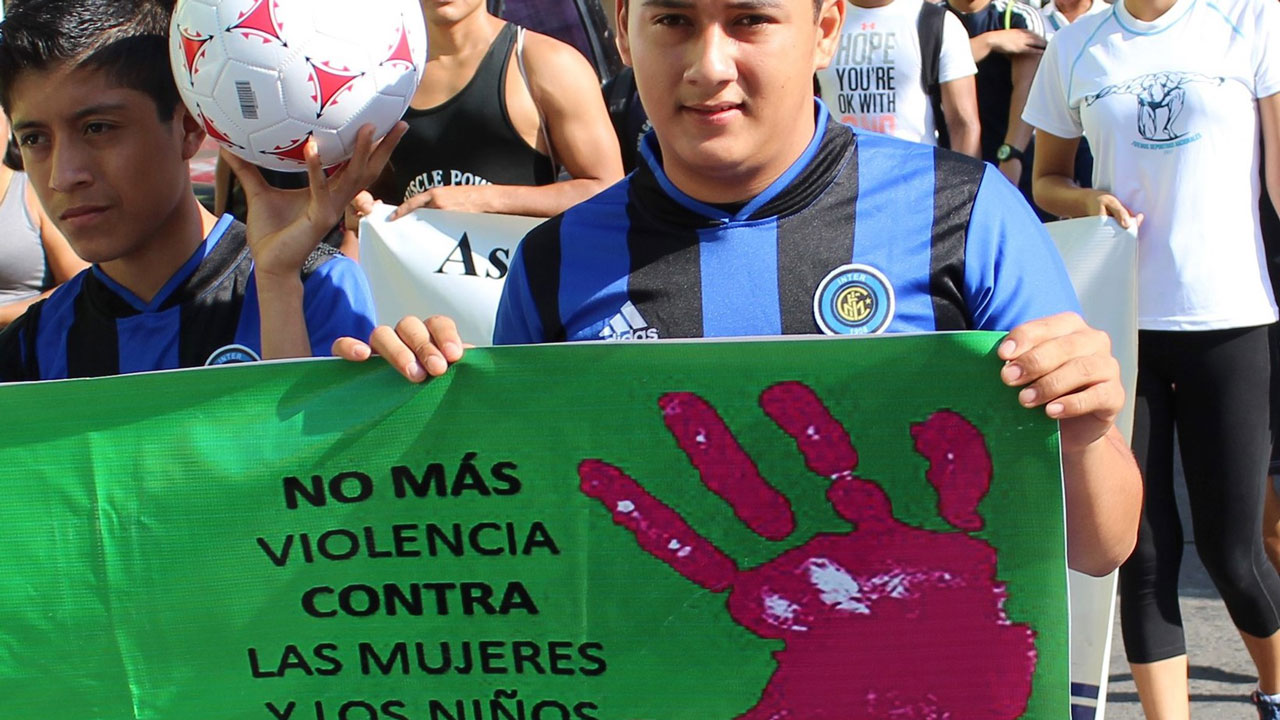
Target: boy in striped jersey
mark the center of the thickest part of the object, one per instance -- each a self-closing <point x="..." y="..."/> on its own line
<point x="753" y="213"/>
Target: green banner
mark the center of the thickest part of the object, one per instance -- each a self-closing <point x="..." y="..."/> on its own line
<point x="862" y="528"/>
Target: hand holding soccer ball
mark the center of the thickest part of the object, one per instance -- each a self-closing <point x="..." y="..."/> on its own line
<point x="265" y="76"/>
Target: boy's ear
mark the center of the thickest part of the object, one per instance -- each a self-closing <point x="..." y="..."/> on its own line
<point x="830" y="23"/>
<point x="623" y="39"/>
<point x="192" y="131"/>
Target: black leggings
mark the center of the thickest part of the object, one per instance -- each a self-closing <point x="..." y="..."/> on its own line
<point x="1212" y="386"/>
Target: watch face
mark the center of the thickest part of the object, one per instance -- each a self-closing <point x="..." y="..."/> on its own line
<point x="1004" y="152"/>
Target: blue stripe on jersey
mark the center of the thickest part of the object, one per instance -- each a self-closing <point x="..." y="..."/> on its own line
<point x="1012" y="271"/>
<point x="736" y="263"/>
<point x="593" y="247"/>
<point x="56" y="317"/>
<point x="149" y="341"/>
<point x="336" y="302"/>
<point x="516" y="321"/>
<point x="893" y="231"/>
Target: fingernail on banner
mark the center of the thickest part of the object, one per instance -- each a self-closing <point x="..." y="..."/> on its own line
<point x="863" y="528"/>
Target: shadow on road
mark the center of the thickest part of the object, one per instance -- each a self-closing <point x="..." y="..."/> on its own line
<point x="1199" y="672"/>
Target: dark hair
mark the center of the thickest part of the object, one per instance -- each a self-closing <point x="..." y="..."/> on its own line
<point x="12" y="155"/>
<point x="127" y="39"/>
<point x="817" y="6"/>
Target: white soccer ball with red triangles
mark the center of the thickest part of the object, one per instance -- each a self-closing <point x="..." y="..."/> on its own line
<point x="263" y="76"/>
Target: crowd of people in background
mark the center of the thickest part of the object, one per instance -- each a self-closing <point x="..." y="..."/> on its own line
<point x="1148" y="111"/>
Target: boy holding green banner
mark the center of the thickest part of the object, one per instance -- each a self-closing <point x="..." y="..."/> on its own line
<point x="741" y="222"/>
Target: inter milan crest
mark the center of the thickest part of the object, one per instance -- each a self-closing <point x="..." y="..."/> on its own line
<point x="853" y="299"/>
<point x="232" y="354"/>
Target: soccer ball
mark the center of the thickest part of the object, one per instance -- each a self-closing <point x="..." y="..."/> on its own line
<point x="264" y="76"/>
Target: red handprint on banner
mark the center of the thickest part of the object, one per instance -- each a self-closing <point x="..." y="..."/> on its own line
<point x="885" y="621"/>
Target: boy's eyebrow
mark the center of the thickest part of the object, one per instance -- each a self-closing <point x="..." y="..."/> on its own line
<point x="80" y="114"/>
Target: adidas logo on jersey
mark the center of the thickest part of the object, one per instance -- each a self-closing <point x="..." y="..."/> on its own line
<point x="628" y="325"/>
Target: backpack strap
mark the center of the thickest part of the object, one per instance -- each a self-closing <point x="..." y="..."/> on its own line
<point x="929" y="27"/>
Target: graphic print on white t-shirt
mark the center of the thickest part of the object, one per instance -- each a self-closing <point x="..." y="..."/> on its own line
<point x="866" y="90"/>
<point x="874" y="82"/>
<point x="1159" y="100"/>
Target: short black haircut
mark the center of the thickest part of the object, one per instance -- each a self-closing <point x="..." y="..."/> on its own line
<point x="127" y="39"/>
<point x="12" y="155"/>
<point x="817" y="6"/>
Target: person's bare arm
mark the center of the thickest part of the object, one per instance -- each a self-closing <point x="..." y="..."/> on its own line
<point x="284" y="226"/>
<point x="63" y="261"/>
<point x="1018" y="133"/>
<point x="1269" y="107"/>
<point x="221" y="186"/>
<point x="1014" y="41"/>
<point x="960" y="108"/>
<point x="566" y="90"/>
<point x="1055" y="189"/>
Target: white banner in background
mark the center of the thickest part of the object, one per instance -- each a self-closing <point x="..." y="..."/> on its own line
<point x="435" y="262"/>
<point x="1102" y="260"/>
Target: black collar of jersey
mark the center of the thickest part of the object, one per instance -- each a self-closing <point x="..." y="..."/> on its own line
<point x="204" y="270"/>
<point x="817" y="167"/>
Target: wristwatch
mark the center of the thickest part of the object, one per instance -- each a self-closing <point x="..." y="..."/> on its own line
<point x="1009" y="152"/>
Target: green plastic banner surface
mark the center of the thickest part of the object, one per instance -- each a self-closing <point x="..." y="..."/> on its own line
<point x="862" y="528"/>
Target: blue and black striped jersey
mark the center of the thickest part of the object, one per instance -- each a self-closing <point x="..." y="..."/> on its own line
<point x="863" y="234"/>
<point x="206" y="314"/>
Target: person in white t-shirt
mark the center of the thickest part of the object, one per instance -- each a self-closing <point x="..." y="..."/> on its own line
<point x="1168" y="93"/>
<point x="875" y="80"/>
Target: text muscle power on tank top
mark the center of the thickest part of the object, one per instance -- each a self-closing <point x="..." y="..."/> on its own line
<point x="469" y="139"/>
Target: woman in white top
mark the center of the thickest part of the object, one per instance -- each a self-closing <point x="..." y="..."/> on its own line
<point x="1172" y="96"/>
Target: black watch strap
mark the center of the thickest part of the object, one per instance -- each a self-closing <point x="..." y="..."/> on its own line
<point x="1009" y="152"/>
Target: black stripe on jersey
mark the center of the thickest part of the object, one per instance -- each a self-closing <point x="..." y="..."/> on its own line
<point x="837" y="143"/>
<point x="645" y="191"/>
<point x="666" y="273"/>
<point x="956" y="179"/>
<point x="826" y="226"/>
<point x="93" y="342"/>
<point x="213" y="299"/>
<point x="541" y="252"/>
<point x="18" y="360"/>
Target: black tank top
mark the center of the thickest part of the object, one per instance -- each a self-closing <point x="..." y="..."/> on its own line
<point x="468" y="139"/>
